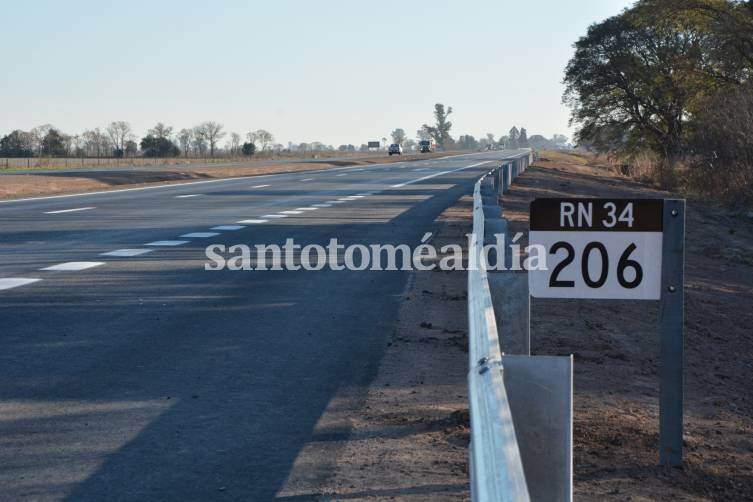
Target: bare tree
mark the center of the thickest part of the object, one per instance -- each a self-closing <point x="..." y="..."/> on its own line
<point x="119" y="133"/>
<point x="261" y="138"/>
<point x="38" y="134"/>
<point x="199" y="141"/>
<point x="211" y="132"/>
<point x="185" y="138"/>
<point x="398" y="136"/>
<point x="235" y="143"/>
<point x="161" y="131"/>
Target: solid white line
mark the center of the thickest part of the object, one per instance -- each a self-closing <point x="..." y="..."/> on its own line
<point x="228" y="228"/>
<point x="275" y="216"/>
<point x="400" y="185"/>
<point x="14" y="282"/>
<point x="252" y="222"/>
<point x="127" y="253"/>
<point x="166" y="243"/>
<point x="74" y="266"/>
<point x="261" y="186"/>
<point x="199" y="235"/>
<point x="187" y="196"/>
<point x="291" y="212"/>
<point x="306" y="208"/>
<point x="69" y="210"/>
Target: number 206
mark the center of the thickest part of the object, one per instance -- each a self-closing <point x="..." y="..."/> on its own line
<point x="624" y="264"/>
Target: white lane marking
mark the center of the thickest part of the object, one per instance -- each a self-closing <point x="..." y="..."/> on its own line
<point x="306" y="208"/>
<point x="74" y="266"/>
<point x="252" y="222"/>
<point x="291" y="212"/>
<point x="188" y="196"/>
<point x="346" y="199"/>
<point x="400" y="185"/>
<point x="166" y="243"/>
<point x="322" y="205"/>
<point x="14" y="282"/>
<point x="341" y="174"/>
<point x="336" y="202"/>
<point x="275" y="216"/>
<point x="61" y="211"/>
<point x="228" y="228"/>
<point x="354" y="170"/>
<point x="366" y="194"/>
<point x="127" y="253"/>
<point x="307" y="179"/>
<point x="199" y="235"/>
<point x="357" y="196"/>
<point x="421" y="169"/>
<point x="261" y="186"/>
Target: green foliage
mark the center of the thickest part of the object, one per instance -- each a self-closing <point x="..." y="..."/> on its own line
<point x="16" y="144"/>
<point x="467" y="142"/>
<point x="441" y="130"/>
<point x="154" y="146"/>
<point x="248" y="149"/>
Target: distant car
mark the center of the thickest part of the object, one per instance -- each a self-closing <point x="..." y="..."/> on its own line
<point x="395" y="149"/>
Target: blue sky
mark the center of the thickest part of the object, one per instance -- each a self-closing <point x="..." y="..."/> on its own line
<point x="332" y="71"/>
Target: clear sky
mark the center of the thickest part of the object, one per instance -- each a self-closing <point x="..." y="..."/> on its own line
<point x="331" y="71"/>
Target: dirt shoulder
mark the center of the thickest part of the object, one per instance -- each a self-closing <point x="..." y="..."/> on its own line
<point x="408" y="432"/>
<point x="14" y="186"/>
<point x="616" y="349"/>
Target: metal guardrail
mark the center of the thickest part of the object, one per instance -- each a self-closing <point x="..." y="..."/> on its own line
<point x="496" y="468"/>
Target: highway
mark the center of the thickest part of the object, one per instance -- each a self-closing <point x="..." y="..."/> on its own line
<point x="129" y="372"/>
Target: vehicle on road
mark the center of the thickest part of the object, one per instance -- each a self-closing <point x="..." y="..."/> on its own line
<point x="395" y="149"/>
<point x="426" y="145"/>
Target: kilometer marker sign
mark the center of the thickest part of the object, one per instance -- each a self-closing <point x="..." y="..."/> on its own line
<point x="598" y="248"/>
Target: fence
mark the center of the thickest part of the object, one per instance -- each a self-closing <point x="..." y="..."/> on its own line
<point x="520" y="406"/>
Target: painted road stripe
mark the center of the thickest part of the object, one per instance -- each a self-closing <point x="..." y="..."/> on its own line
<point x="69" y="210"/>
<point x="322" y="205"/>
<point x="275" y="216"/>
<point x="291" y="212"/>
<point x="400" y="185"/>
<point x="252" y="222"/>
<point x="74" y="266"/>
<point x="187" y="196"/>
<point x="126" y="253"/>
<point x="306" y="208"/>
<point x="335" y="202"/>
<point x="167" y="243"/>
<point x="341" y="174"/>
<point x="261" y="186"/>
<point x="14" y="282"/>
<point x="307" y="179"/>
<point x="228" y="228"/>
<point x="199" y="235"/>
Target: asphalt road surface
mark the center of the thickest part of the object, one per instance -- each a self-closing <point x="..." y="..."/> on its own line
<point x="138" y="375"/>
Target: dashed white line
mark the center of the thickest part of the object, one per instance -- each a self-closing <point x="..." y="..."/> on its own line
<point x="291" y="212"/>
<point x="341" y="174"/>
<point x="188" y="196"/>
<point x="306" y="208"/>
<point x="14" y="282"/>
<point x="307" y="179"/>
<point x="167" y="243"/>
<point x="400" y="185"/>
<point x="74" y="266"/>
<point x="228" y="228"/>
<point x="61" y="211"/>
<point x="322" y="205"/>
<point x="199" y="235"/>
<point x="127" y="253"/>
<point x="336" y="202"/>
<point x="252" y="222"/>
<point x="261" y="186"/>
<point x="275" y="216"/>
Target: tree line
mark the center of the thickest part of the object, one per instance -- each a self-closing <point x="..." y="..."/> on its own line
<point x="673" y="78"/>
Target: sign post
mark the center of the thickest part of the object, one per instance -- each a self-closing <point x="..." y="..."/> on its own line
<point x="623" y="249"/>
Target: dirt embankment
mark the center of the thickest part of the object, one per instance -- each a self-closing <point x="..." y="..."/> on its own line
<point x="14" y="186"/>
<point x="616" y="348"/>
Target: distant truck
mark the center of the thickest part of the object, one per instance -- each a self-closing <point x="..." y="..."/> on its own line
<point x="426" y="145"/>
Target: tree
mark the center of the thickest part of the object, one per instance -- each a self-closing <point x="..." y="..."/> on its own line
<point x="422" y="135"/>
<point x="52" y="144"/>
<point x="468" y="142"/>
<point x="631" y="85"/>
<point x="512" y="138"/>
<point x="38" y="134"/>
<point x="156" y="146"/>
<point x="185" y="139"/>
<point x="119" y="133"/>
<point x="523" y="138"/>
<point x="17" y="144"/>
<point x="131" y="148"/>
<point x="235" y="143"/>
<point x="211" y="132"/>
<point x="490" y="138"/>
<point x="161" y="131"/>
<point x="398" y="136"/>
<point x="261" y="138"/>
<point x="440" y="131"/>
<point x="249" y="148"/>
